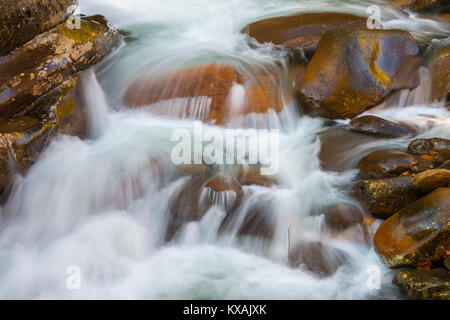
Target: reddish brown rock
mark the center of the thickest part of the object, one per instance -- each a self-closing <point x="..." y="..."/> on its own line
<point x="419" y="233"/>
<point x="215" y="83"/>
<point x="317" y="257"/>
<point x="379" y="126"/>
<point x="22" y="20"/>
<point x="302" y="32"/>
<point x="431" y="179"/>
<point x="391" y="163"/>
<point x="51" y="57"/>
<point x="252" y="176"/>
<point x="335" y="86"/>
<point x="438" y="149"/>
<point x="425" y="284"/>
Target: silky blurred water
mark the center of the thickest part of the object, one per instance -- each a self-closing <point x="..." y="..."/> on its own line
<point x="102" y="204"/>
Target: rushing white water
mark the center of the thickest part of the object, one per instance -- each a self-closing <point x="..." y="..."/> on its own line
<point x="103" y="204"/>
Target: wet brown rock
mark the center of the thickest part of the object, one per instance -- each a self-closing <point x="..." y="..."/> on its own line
<point x="391" y="163"/>
<point x="335" y="86"/>
<point x="421" y="5"/>
<point x="342" y="216"/>
<point x="431" y="179"/>
<point x="445" y="165"/>
<point x="192" y="169"/>
<point x="384" y="197"/>
<point x="317" y="257"/>
<point x="438" y="149"/>
<point x="425" y="284"/>
<point x="302" y="32"/>
<point x="379" y="126"/>
<point x="447" y="262"/>
<point x="252" y="176"/>
<point x="24" y="137"/>
<point x="22" y="20"/>
<point x="439" y="66"/>
<point x="47" y="60"/>
<point x="419" y="233"/>
<point x="198" y="195"/>
<point x="214" y="82"/>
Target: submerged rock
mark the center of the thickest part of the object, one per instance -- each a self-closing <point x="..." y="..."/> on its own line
<point x="379" y="126"/>
<point x="365" y="67"/>
<point x="425" y="284"/>
<point x="391" y="163"/>
<point x="302" y="32"/>
<point x="342" y="216"/>
<point x="22" y="20"/>
<point x="49" y="59"/>
<point x="212" y="93"/>
<point x="317" y="257"/>
<point x="24" y="137"/>
<point x="419" y="233"/>
<point x="198" y="195"/>
<point x="437" y="148"/>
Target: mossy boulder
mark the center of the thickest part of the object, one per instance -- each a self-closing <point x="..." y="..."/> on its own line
<point x="301" y="32"/>
<point x="22" y="20"/>
<point x="391" y="163"/>
<point x="384" y="197"/>
<point x="49" y="59"/>
<point x="24" y="137"/>
<point x="379" y="126"/>
<point x="419" y="233"/>
<point x="364" y="68"/>
<point x="425" y="284"/>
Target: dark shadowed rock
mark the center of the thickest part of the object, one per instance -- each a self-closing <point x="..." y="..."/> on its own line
<point x="425" y="284"/>
<point x="391" y="163"/>
<point x="439" y="67"/>
<point x="317" y="257"/>
<point x="50" y="58"/>
<point x="422" y="5"/>
<point x="302" y="32"/>
<point x="384" y="197"/>
<point x="22" y="20"/>
<point x="445" y="165"/>
<point x="419" y="233"/>
<point x="337" y="86"/>
<point x="379" y="126"/>
<point x="437" y="148"/>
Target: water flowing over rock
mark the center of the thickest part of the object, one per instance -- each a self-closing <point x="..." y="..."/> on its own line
<point x="382" y="61"/>
<point x="302" y="32"/>
<point x="391" y="163"/>
<point x="421" y="5"/>
<point x="379" y="126"/>
<point x="419" y="233"/>
<point x="47" y="60"/>
<point x="22" y="20"/>
<point x="210" y="93"/>
<point x="25" y="136"/>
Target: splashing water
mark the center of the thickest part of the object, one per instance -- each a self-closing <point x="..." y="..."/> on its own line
<point x="103" y="204"/>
